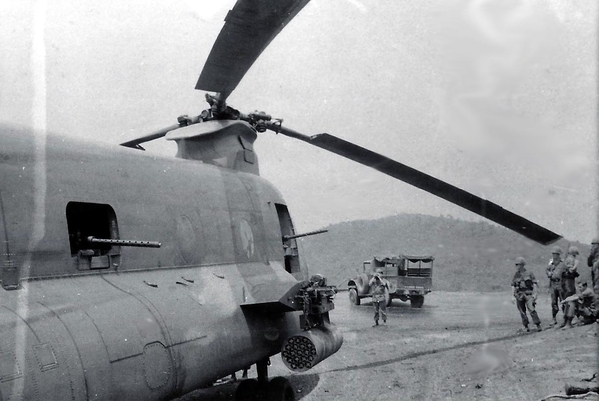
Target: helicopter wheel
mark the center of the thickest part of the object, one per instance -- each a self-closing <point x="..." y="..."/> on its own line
<point x="279" y="389"/>
<point x="248" y="390"/>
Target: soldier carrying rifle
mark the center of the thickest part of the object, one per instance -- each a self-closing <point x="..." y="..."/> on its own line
<point x="525" y="288"/>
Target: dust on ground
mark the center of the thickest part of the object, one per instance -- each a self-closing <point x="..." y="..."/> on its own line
<point x="459" y="346"/>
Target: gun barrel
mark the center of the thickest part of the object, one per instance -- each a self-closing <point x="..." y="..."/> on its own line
<point x="288" y="237"/>
<point x="124" y="242"/>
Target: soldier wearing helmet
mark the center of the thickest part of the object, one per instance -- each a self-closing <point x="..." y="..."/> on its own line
<point x="582" y="305"/>
<point x="555" y="270"/>
<point x="379" y="287"/>
<point x="570" y="273"/>
<point x="593" y="262"/>
<point x="525" y="288"/>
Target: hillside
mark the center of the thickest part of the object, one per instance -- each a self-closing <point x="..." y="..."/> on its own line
<point x="469" y="256"/>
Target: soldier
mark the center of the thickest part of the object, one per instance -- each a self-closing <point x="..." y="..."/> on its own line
<point x="525" y="288"/>
<point x="379" y="287"/>
<point x="593" y="262"/>
<point x="570" y="272"/>
<point x="555" y="270"/>
<point x="581" y="305"/>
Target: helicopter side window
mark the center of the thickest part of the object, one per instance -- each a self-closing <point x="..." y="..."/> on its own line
<point x="88" y="223"/>
<point x="292" y="263"/>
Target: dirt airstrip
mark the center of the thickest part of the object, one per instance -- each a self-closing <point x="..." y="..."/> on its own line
<point x="459" y="346"/>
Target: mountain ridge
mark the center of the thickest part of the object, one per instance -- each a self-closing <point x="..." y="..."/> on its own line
<point x="469" y="256"/>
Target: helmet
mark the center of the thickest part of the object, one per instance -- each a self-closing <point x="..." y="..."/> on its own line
<point x="595" y="240"/>
<point x="573" y="250"/>
<point x="379" y="271"/>
<point x="556" y="249"/>
<point x="520" y="261"/>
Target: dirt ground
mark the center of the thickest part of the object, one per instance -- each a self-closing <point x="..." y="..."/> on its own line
<point x="459" y="346"/>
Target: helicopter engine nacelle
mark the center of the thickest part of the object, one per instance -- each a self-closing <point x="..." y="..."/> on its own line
<point x="304" y="350"/>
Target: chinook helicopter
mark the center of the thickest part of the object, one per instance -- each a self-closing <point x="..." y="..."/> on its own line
<point x="176" y="271"/>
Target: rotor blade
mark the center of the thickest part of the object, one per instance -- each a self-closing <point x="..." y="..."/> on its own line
<point x="453" y="194"/>
<point x="249" y="27"/>
<point x="135" y="143"/>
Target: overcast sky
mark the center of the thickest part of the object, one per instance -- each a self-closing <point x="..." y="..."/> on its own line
<point x="495" y="96"/>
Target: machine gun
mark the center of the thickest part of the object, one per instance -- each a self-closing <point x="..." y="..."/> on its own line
<point x="288" y="237"/>
<point x="319" y="339"/>
<point x="316" y="300"/>
<point x="124" y="242"/>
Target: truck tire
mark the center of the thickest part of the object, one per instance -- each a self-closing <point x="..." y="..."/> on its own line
<point x="362" y="284"/>
<point x="354" y="299"/>
<point x="388" y="299"/>
<point x="417" y="301"/>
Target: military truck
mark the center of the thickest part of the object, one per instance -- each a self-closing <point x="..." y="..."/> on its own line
<point x="410" y="278"/>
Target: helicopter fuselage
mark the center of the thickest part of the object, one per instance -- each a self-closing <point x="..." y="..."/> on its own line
<point x="81" y="320"/>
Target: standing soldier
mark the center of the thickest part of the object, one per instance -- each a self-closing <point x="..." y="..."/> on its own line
<point x="525" y="288"/>
<point x="570" y="272"/>
<point x="555" y="270"/>
<point x="593" y="262"/>
<point x="379" y="288"/>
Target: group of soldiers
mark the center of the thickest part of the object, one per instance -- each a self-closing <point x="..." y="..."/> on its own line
<point x="574" y="300"/>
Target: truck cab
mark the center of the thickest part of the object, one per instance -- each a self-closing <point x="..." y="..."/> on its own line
<point x="409" y="277"/>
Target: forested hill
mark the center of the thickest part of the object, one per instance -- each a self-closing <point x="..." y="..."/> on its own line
<point x="469" y="256"/>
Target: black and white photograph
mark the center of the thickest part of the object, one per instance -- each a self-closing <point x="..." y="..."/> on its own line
<point x="246" y="200"/>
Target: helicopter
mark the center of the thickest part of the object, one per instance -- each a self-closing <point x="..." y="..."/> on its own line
<point x="173" y="272"/>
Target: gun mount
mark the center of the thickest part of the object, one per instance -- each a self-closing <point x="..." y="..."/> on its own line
<point x="318" y="339"/>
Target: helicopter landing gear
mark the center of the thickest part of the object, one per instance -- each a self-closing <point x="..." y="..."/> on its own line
<point x="248" y="390"/>
<point x="277" y="389"/>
